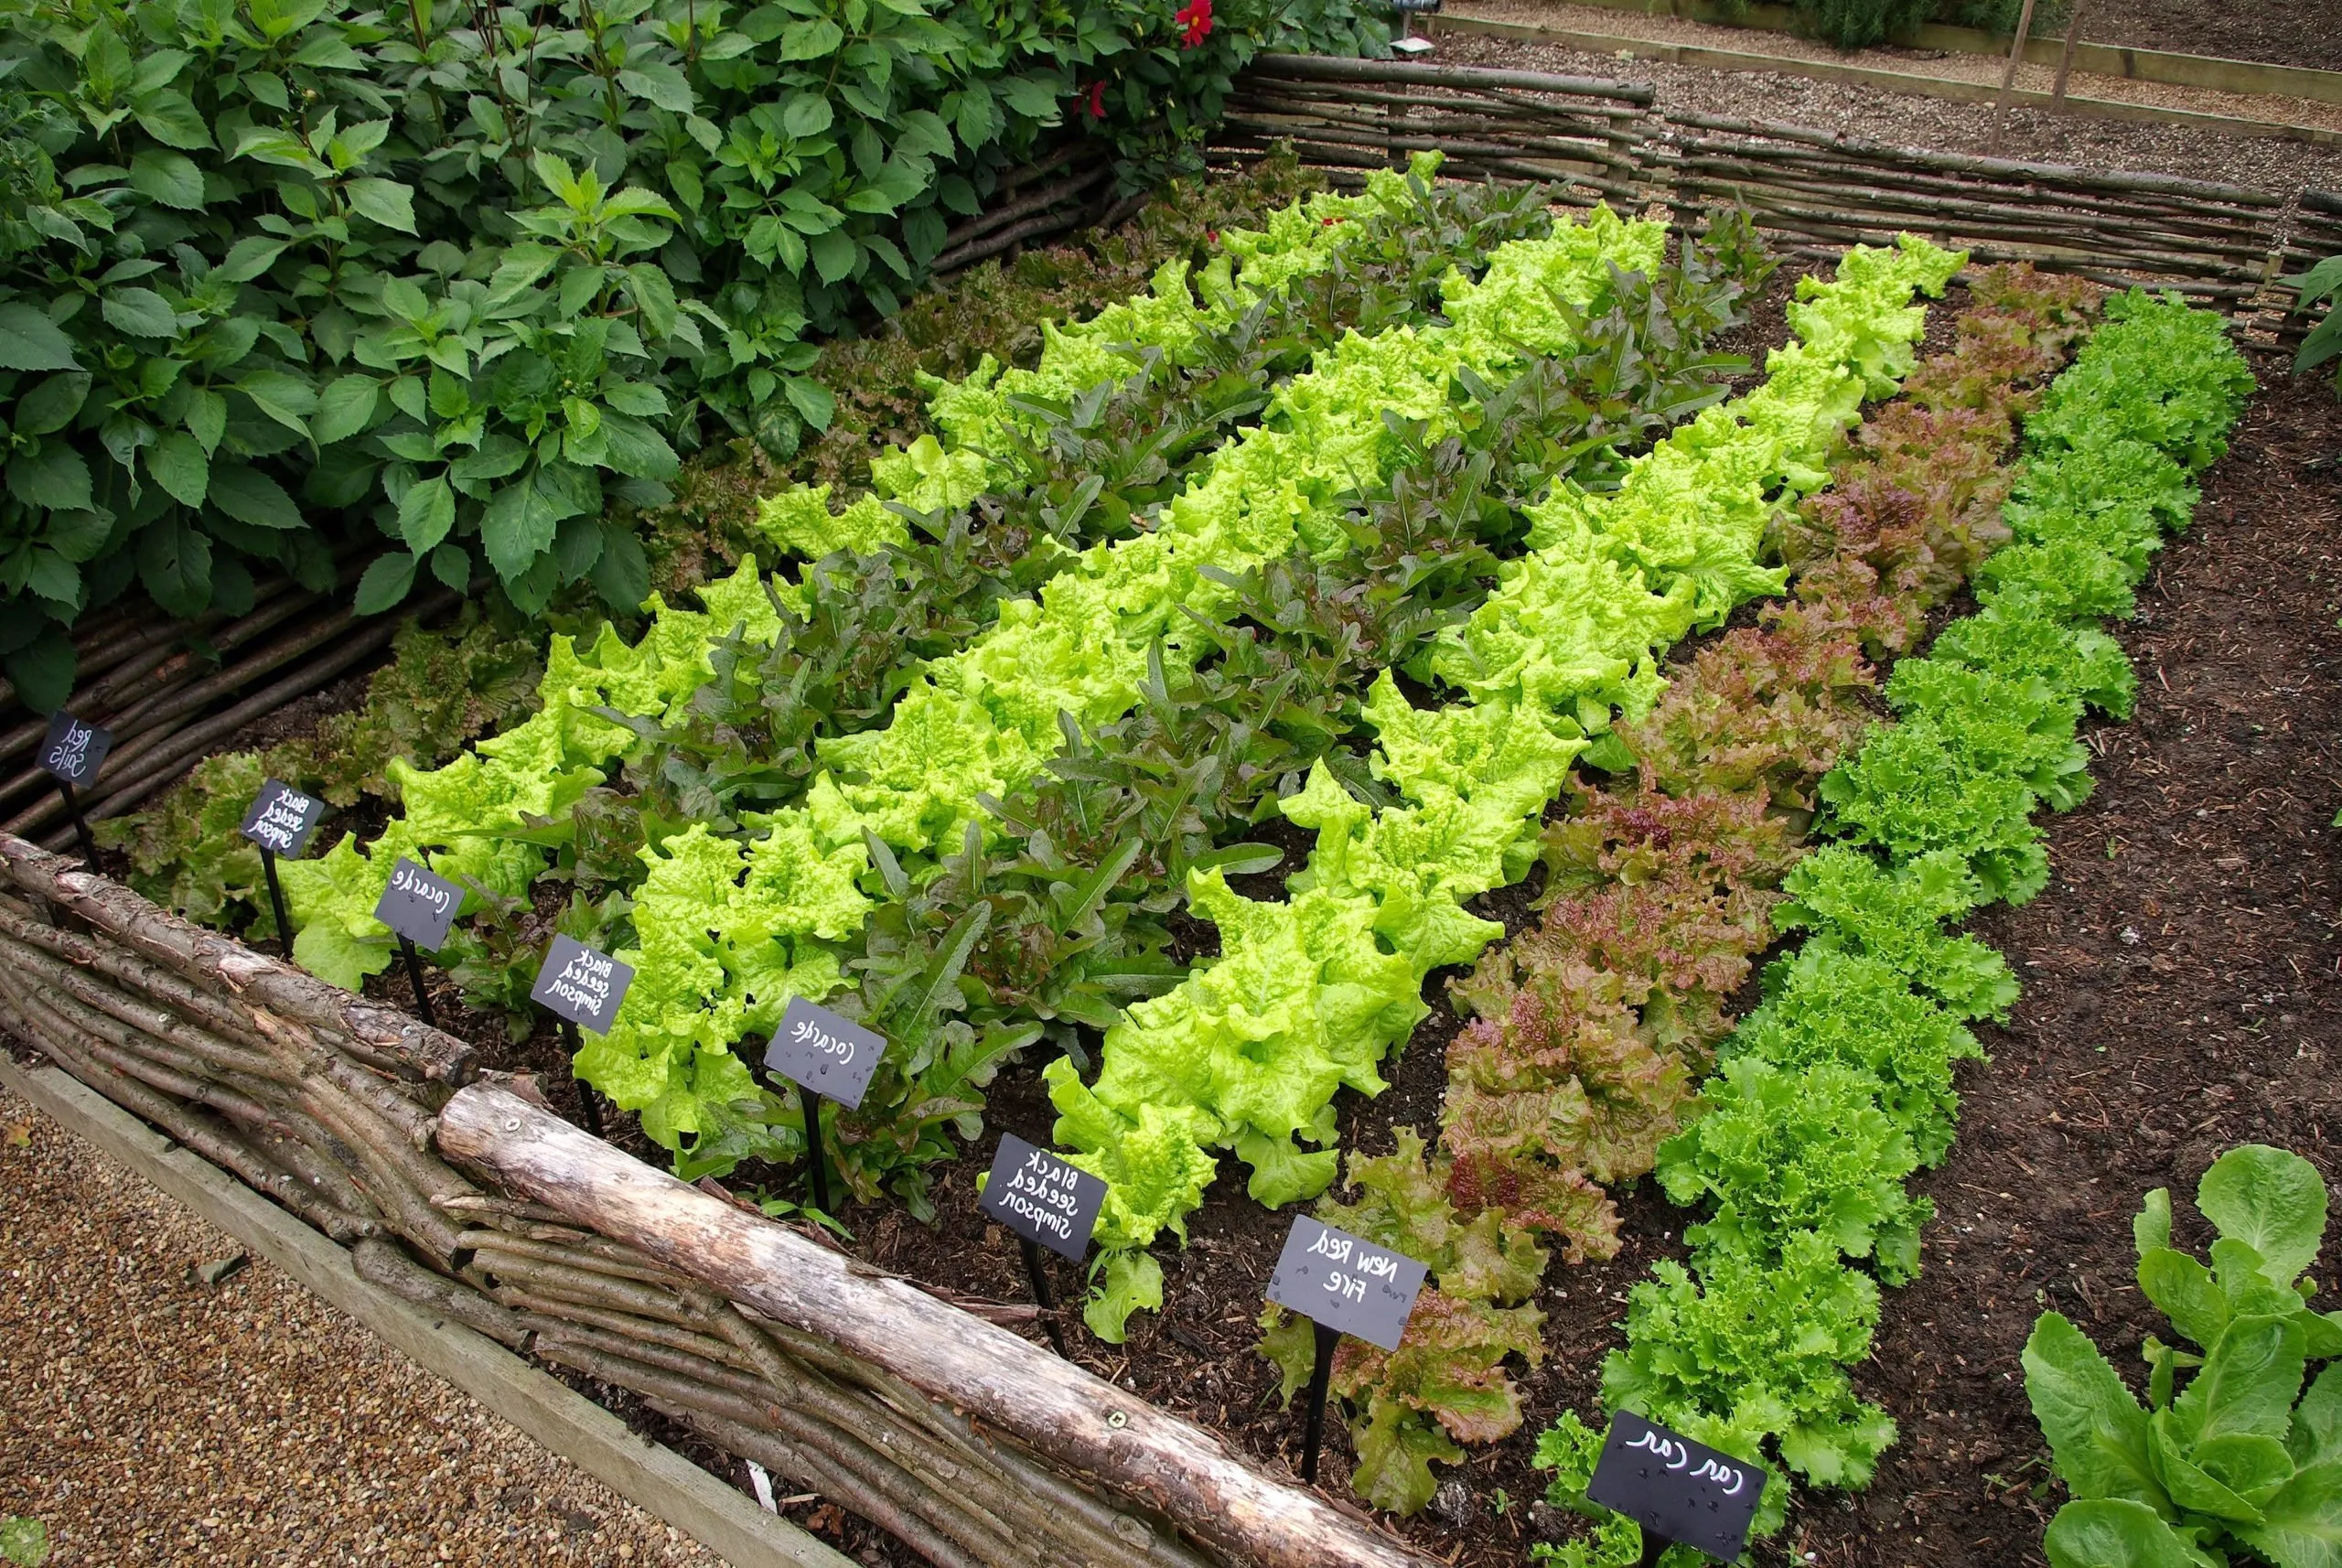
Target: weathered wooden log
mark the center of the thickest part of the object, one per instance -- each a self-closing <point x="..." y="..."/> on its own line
<point x="209" y="957"/>
<point x="1058" y="1408"/>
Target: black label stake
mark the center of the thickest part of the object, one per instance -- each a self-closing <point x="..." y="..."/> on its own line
<point x="1343" y="1284"/>
<point x="414" y="978"/>
<point x="815" y="1166"/>
<point x="72" y="752"/>
<point x="1321" y="1379"/>
<point x="826" y="1056"/>
<point x="1678" y="1491"/>
<point x="279" y="822"/>
<point x="1037" y="1274"/>
<point x="276" y="899"/>
<point x="418" y="905"/>
<point x="1045" y="1202"/>
<point x="589" y="1109"/>
<point x="579" y="985"/>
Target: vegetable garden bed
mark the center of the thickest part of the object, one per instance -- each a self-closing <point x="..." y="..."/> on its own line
<point x="1435" y="668"/>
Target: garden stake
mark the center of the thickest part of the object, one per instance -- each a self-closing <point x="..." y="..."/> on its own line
<point x="413" y="970"/>
<point x="1655" y="1547"/>
<point x="1321" y="1375"/>
<point x="276" y="903"/>
<point x="591" y="1112"/>
<point x="1038" y="1274"/>
<point x="820" y="1178"/>
<point x="80" y="825"/>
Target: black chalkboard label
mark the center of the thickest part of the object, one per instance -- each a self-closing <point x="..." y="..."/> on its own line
<point x="73" y="751"/>
<point x="823" y="1052"/>
<point x="1677" y="1489"/>
<point x="419" y="905"/>
<point x="282" y="819"/>
<point x="1042" y="1198"/>
<point x="1345" y="1282"/>
<point x="581" y="984"/>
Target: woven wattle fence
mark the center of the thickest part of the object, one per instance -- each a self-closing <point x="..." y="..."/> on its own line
<point x="2221" y="244"/>
<point x="463" y="1192"/>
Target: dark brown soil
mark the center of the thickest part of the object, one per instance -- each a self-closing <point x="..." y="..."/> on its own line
<point x="2181" y="981"/>
<point x="2282" y="32"/>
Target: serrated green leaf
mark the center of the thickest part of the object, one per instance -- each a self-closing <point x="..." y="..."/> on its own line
<point x="169" y="178"/>
<point x="249" y="495"/>
<point x="181" y="466"/>
<point x="140" y="312"/>
<point x="386" y="583"/>
<point x="386" y="202"/>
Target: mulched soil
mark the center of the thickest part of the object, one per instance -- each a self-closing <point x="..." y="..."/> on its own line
<point x="2183" y="995"/>
<point x="2282" y="32"/>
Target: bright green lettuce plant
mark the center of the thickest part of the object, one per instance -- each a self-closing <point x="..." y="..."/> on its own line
<point x="2231" y="1454"/>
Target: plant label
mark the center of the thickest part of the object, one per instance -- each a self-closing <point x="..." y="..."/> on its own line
<point x="1677" y="1489"/>
<point x="581" y="984"/>
<point x="1042" y="1198"/>
<point x="73" y="751"/>
<point x="282" y="819"/>
<point x="818" y="1050"/>
<point x="1346" y="1283"/>
<point x="420" y="904"/>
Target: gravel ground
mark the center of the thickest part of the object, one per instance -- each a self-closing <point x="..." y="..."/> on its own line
<point x="149" y="1419"/>
<point x="1960" y="66"/>
<point x="1904" y="120"/>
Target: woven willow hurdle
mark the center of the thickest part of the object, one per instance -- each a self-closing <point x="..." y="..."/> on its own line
<point x="459" y="1190"/>
<point x="2224" y="245"/>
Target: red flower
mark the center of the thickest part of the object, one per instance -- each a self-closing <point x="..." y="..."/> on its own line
<point x="1195" y="16"/>
<point x="1094" y="104"/>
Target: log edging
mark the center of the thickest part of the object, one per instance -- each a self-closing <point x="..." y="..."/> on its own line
<point x="347" y="1115"/>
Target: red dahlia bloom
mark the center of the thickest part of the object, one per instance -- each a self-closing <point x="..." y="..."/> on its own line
<point x="1195" y="17"/>
<point x="1094" y="104"/>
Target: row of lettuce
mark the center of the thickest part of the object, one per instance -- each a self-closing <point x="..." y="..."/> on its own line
<point x="884" y="798"/>
<point x="1838" y="1088"/>
<point x="1040" y="688"/>
<point x="1590" y="1026"/>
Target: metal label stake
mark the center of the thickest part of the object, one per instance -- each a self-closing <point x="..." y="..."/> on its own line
<point x="1321" y="1377"/>
<point x="579" y="985"/>
<point x="1344" y="1284"/>
<point x="419" y="905"/>
<point x="279" y="822"/>
<point x="826" y="1056"/>
<point x="1044" y="1202"/>
<point x="1681" y="1493"/>
<point x="71" y="753"/>
<point x="414" y="978"/>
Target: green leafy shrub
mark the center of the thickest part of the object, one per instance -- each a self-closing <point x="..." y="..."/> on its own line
<point x="468" y="281"/>
<point x="2241" y="1457"/>
<point x="2321" y="283"/>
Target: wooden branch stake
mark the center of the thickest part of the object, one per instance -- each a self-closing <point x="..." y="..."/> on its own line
<point x="2008" y="75"/>
<point x="1004" y="1382"/>
<point x="2066" y="56"/>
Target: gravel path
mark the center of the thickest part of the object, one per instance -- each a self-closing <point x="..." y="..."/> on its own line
<point x="149" y="1419"/>
<point x="1903" y="119"/>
